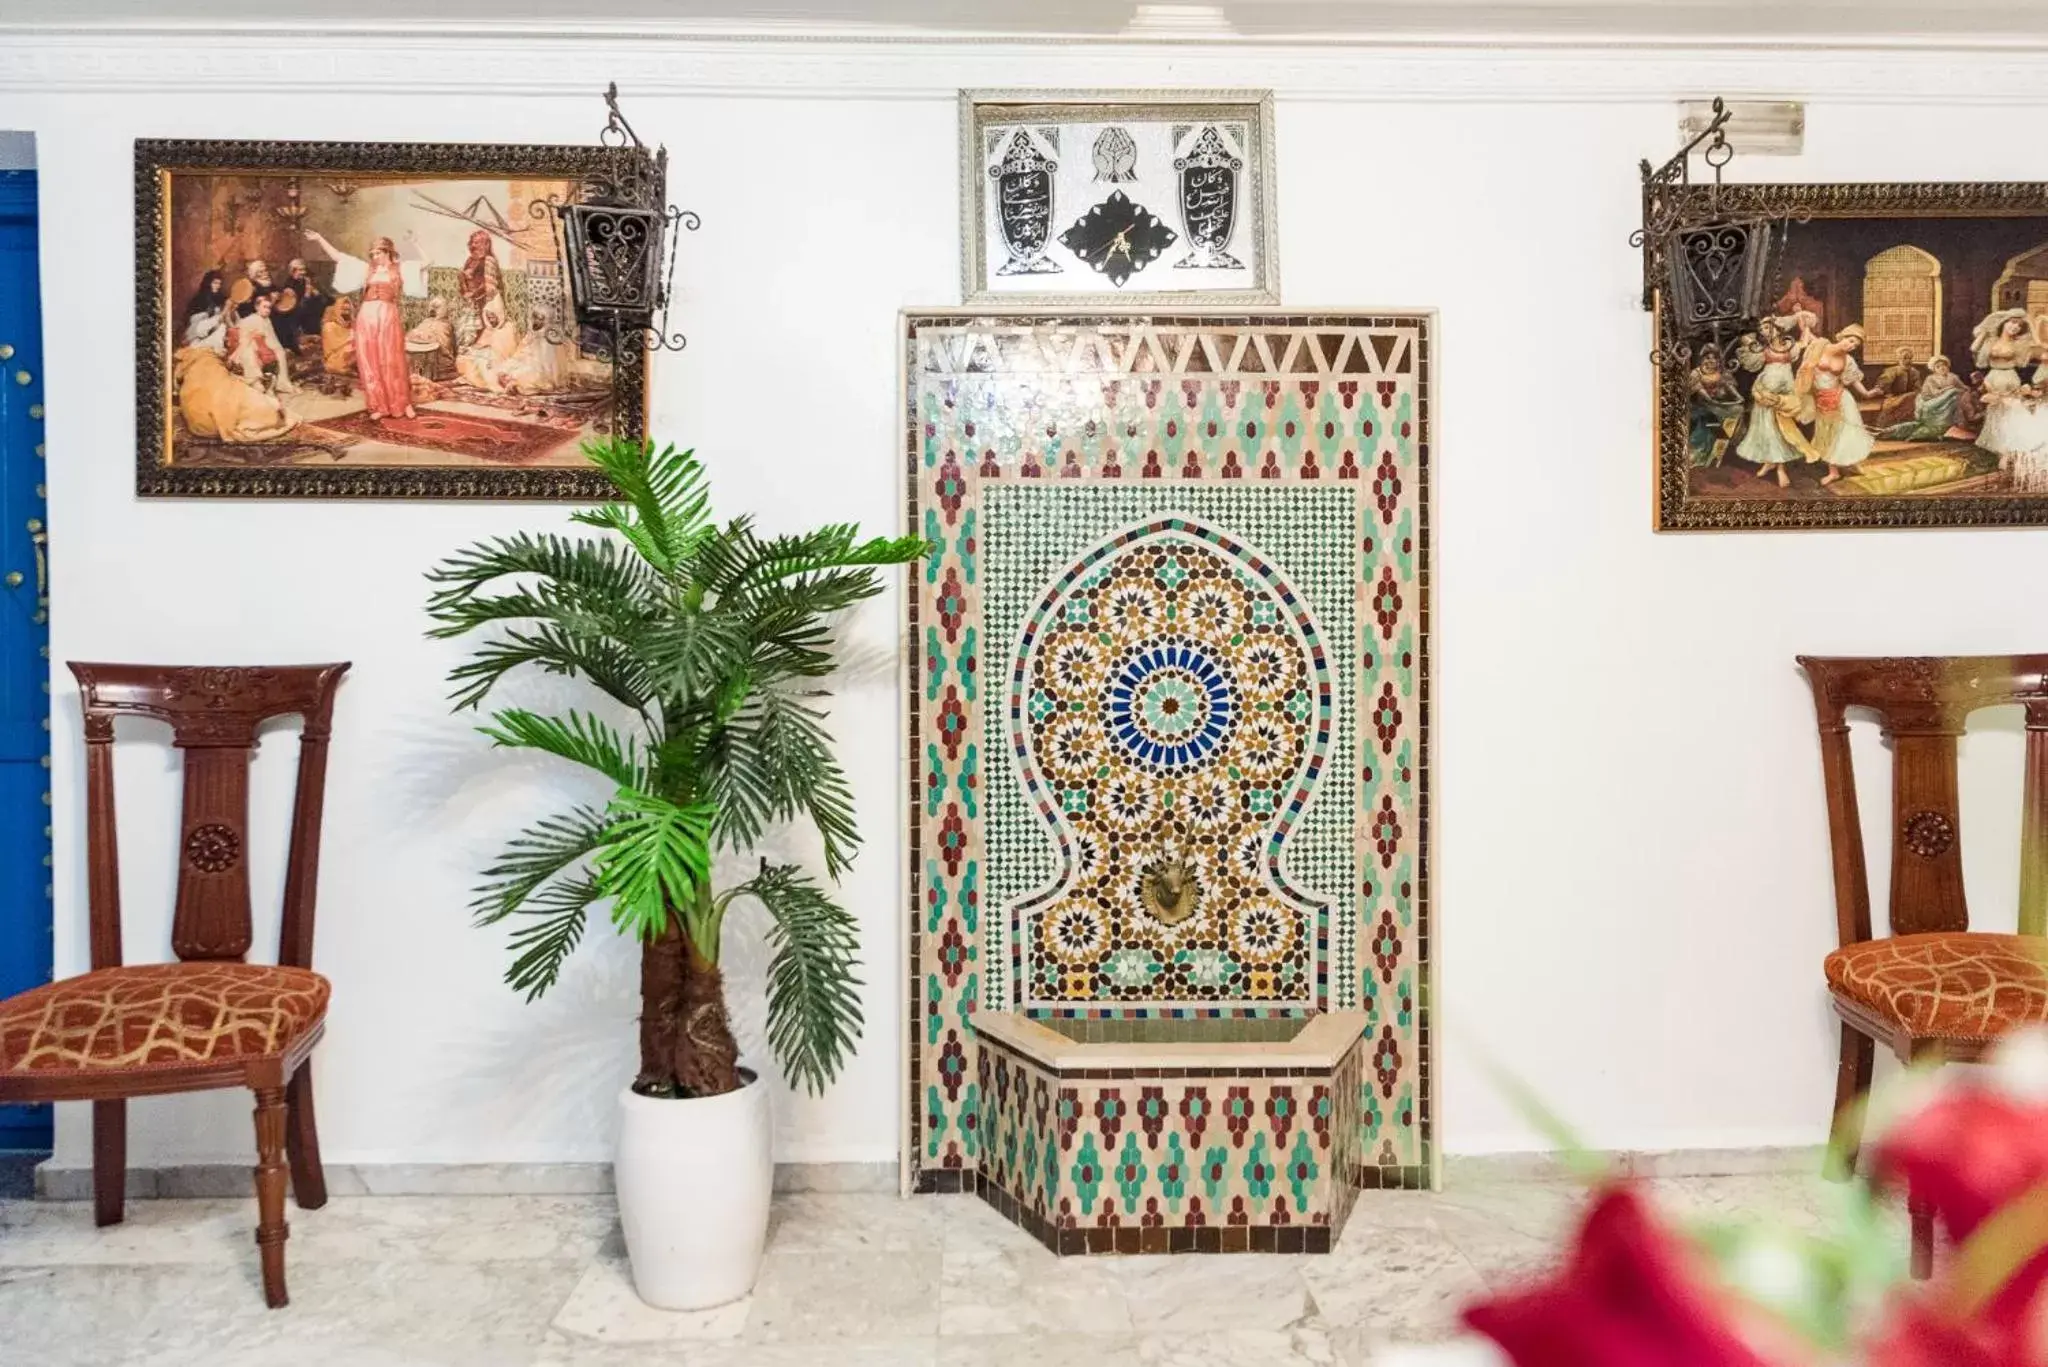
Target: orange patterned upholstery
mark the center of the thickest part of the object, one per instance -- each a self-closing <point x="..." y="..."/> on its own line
<point x="1951" y="985"/>
<point x="159" y="1016"/>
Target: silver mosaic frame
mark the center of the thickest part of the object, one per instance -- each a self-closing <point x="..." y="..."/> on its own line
<point x="1253" y="106"/>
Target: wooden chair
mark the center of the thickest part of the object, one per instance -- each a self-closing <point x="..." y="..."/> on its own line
<point x="210" y="1019"/>
<point x="1932" y="988"/>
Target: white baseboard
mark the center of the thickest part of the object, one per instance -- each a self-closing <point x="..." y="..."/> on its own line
<point x="214" y="1180"/>
<point x="1547" y="1167"/>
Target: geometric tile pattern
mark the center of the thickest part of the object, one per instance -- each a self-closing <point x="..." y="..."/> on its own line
<point x="1169" y="712"/>
<point x="1170" y="1161"/>
<point x="1028" y="532"/>
<point x="1031" y="444"/>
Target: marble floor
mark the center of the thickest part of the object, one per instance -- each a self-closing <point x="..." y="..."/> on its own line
<point x="859" y="1280"/>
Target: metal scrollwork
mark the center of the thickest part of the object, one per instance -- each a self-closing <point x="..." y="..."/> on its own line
<point x="1706" y="259"/>
<point x="612" y="236"/>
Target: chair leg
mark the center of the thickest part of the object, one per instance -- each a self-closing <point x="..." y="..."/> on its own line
<point x="109" y="1161"/>
<point x="302" y="1141"/>
<point x="271" y="1229"/>
<point x="1852" y="1083"/>
<point x="1923" y="1240"/>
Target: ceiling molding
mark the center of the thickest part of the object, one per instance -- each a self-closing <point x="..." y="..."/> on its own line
<point x="1763" y="38"/>
<point x="478" y="63"/>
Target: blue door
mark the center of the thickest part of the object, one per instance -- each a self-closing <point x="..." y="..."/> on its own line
<point x="24" y="632"/>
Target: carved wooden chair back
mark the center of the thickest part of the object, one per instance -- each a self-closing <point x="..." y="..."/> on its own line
<point x="214" y="714"/>
<point x="1922" y="703"/>
<point x="1925" y="997"/>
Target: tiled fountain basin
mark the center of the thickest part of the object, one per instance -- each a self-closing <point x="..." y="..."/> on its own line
<point x="1171" y="1136"/>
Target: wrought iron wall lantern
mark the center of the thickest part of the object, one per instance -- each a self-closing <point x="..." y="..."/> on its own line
<point x="618" y="240"/>
<point x="1710" y="268"/>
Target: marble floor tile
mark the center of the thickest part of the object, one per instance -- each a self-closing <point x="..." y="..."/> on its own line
<point x="1012" y="1291"/>
<point x="818" y="1222"/>
<point x="62" y="1233"/>
<point x="1301" y="1346"/>
<point x="1375" y="1210"/>
<point x="98" y="1315"/>
<point x="604" y="1308"/>
<point x="1198" y="1293"/>
<point x="562" y="1351"/>
<point x="455" y="1229"/>
<point x="844" y="1296"/>
<point x="970" y="1224"/>
<point x="856" y="1279"/>
<point x="1041" y="1350"/>
<point x="1407" y="1285"/>
<point x="1797" y="1200"/>
<point x="445" y="1314"/>
<point x="1508" y="1231"/>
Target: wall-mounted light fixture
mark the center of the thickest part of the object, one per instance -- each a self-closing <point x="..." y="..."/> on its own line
<point x="617" y="237"/>
<point x="1709" y="267"/>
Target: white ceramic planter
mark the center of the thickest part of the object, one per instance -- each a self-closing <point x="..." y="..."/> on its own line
<point x="694" y="1178"/>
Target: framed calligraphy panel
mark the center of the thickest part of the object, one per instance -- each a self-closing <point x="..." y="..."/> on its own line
<point x="1126" y="196"/>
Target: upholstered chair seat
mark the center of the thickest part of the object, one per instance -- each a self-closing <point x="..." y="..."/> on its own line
<point x="160" y="1017"/>
<point x="1953" y="985"/>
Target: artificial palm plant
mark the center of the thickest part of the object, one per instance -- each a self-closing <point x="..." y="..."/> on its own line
<point x="711" y="640"/>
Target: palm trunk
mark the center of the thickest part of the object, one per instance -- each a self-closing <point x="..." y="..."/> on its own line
<point x="686" y="1043"/>
<point x="706" y="1058"/>
<point x="661" y="996"/>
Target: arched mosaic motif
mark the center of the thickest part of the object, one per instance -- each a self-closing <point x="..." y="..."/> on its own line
<point x="1170" y="714"/>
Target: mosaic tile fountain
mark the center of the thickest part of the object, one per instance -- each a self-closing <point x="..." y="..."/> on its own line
<point x="1170" y="936"/>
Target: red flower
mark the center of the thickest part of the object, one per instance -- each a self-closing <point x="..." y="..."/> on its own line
<point x="1628" y="1298"/>
<point x="1919" y="1335"/>
<point x="1967" y="1152"/>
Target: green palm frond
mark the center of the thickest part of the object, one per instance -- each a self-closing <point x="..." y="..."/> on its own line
<point x="530" y="859"/>
<point x="586" y="571"/>
<point x="656" y="856"/>
<point x="690" y="654"/>
<point x="542" y="945"/>
<point x="611" y="665"/>
<point x="577" y="737"/>
<point x="738" y="562"/>
<point x="776" y="762"/>
<point x="814" y="1013"/>
<point x="667" y="509"/>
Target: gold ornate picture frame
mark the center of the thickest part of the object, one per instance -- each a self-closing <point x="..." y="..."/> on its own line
<point x="1899" y="377"/>
<point x="365" y="320"/>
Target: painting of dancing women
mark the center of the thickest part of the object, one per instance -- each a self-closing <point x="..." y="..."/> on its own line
<point x="1897" y="377"/>
<point x="376" y="321"/>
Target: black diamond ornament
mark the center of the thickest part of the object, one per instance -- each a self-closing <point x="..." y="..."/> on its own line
<point x="1118" y="238"/>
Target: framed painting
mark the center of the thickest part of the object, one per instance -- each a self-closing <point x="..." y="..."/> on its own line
<point x="1118" y="197"/>
<point x="370" y="320"/>
<point x="1897" y="375"/>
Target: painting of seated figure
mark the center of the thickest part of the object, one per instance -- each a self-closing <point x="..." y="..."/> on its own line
<point x="366" y="320"/>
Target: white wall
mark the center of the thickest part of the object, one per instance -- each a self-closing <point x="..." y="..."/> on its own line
<point x="1632" y="887"/>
